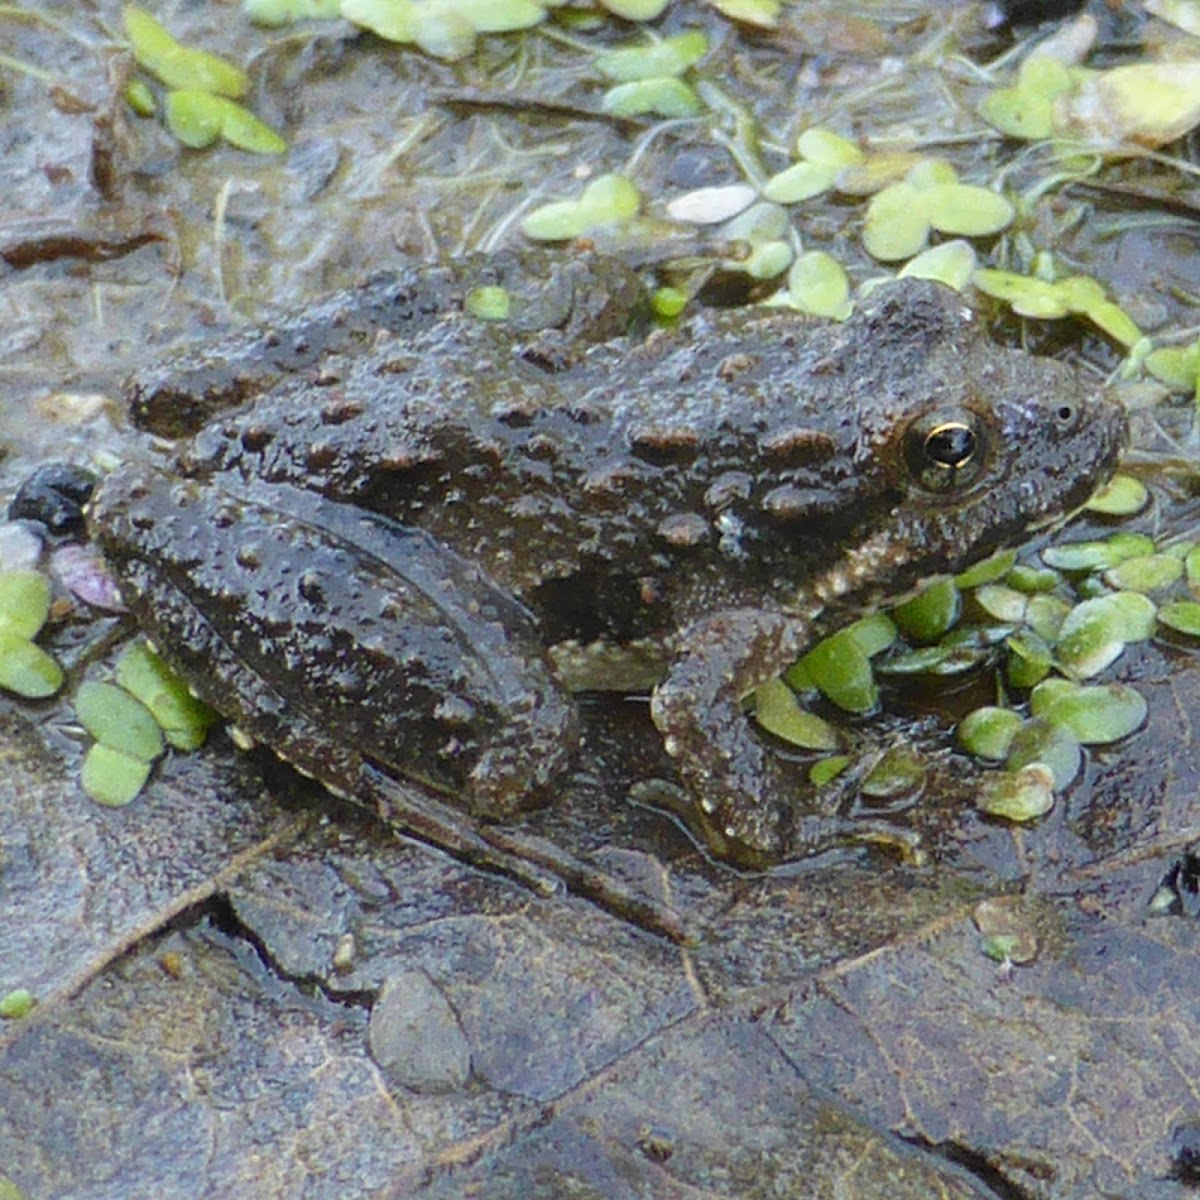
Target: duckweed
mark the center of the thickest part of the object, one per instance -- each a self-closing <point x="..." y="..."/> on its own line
<point x="25" y="668"/>
<point x="1122" y="496"/>
<point x="18" y="1003"/>
<point x="111" y="777"/>
<point x="488" y="303"/>
<point x="664" y="96"/>
<point x="605" y="201"/>
<point x="988" y="732"/>
<point x="179" y="66"/>
<point x="668" y="57"/>
<point x="777" y="710"/>
<point x="1019" y="796"/>
<point x="198" y="118"/>
<point x="183" y="719"/>
<point x="118" y="720"/>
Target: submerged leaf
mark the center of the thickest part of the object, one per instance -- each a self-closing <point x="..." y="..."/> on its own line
<point x="1146" y="104"/>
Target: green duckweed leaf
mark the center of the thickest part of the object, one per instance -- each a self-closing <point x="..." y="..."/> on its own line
<point x="1079" y="291"/>
<point x="18" y="1003"/>
<point x="873" y="634"/>
<point x="197" y="119"/>
<point x="778" y="711"/>
<point x="392" y="20"/>
<point x="1096" y="631"/>
<point x="1032" y="579"/>
<point x="928" y="173"/>
<point x="284" y="12"/>
<point x="1025" y="110"/>
<point x="663" y="96"/>
<point x="117" y="720"/>
<point x="916" y="662"/>
<point x="762" y="14"/>
<point x="1191" y="568"/>
<point x="443" y="31"/>
<point x="606" y="200"/>
<point x="26" y="669"/>
<point x="823" y="156"/>
<point x="1029" y="659"/>
<point x="1095" y="716"/>
<point x="840" y="669"/>
<point x="1049" y="693"/>
<point x="177" y="65"/>
<point x="671" y="56"/>
<point x="241" y="128"/>
<point x="111" y="777"/>
<point x="1053" y="746"/>
<point x="1018" y="796"/>
<point x="1177" y="367"/>
<point x="965" y="210"/>
<point x="555" y="222"/>
<point x="1122" y="496"/>
<point x="1114" y="321"/>
<point x="800" y="181"/>
<point x="1026" y="296"/>
<point x="610" y="198"/>
<point x="1020" y="114"/>
<point x="488" y="303"/>
<point x="768" y="260"/>
<point x="1182" y="616"/>
<point x="951" y="263"/>
<point x="24" y="602"/>
<point x="994" y="567"/>
<point x="898" y="773"/>
<point x="931" y="612"/>
<point x="1045" y="616"/>
<point x="988" y="731"/>
<point x="896" y="225"/>
<point x="636" y="10"/>
<point x="828" y="148"/>
<point x="668" y="302"/>
<point x="1002" y="603"/>
<point x="827" y="769"/>
<point x="194" y="118"/>
<point x="1145" y="573"/>
<point x="817" y="284"/>
<point x="140" y="98"/>
<point x="1091" y="556"/>
<point x="1146" y="104"/>
<point x="184" y="719"/>
<point x="501" y="16"/>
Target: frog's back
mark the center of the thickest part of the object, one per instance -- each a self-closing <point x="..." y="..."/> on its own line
<point x="723" y="462"/>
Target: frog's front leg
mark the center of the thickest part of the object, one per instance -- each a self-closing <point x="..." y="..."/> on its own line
<point x="698" y="709"/>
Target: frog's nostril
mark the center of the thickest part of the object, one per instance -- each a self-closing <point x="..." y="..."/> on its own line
<point x="256" y="439"/>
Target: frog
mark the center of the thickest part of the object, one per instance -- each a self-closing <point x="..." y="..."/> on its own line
<point x="372" y="561"/>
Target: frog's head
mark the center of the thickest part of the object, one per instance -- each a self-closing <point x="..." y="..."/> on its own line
<point x="987" y="444"/>
<point x="985" y="470"/>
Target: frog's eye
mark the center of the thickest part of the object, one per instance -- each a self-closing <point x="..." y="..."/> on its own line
<point x="946" y="450"/>
<point x="1066" y="416"/>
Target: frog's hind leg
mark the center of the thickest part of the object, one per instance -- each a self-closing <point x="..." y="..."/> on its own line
<point x="533" y="862"/>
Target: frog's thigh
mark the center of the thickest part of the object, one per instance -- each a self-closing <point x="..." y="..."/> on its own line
<point x="698" y="709"/>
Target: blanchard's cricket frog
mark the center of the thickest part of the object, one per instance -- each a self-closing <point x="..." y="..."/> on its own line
<point x="366" y="561"/>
